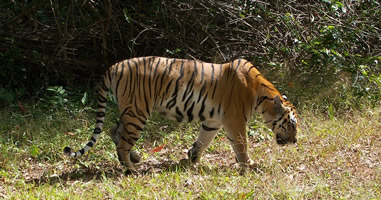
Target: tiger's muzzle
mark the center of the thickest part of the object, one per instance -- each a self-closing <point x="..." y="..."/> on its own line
<point x="285" y="140"/>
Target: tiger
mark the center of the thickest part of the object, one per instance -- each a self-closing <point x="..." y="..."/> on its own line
<point x="219" y="95"/>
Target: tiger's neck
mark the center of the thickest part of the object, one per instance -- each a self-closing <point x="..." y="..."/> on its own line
<point x="263" y="95"/>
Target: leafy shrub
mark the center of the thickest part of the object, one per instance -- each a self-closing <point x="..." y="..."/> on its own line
<point x="307" y="48"/>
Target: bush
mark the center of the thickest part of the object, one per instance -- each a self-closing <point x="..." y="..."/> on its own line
<point x="303" y="46"/>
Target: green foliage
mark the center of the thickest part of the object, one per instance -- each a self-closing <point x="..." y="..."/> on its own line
<point x="314" y="46"/>
<point x="57" y="97"/>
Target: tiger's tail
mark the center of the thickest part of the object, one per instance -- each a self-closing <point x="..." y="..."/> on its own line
<point x="101" y="112"/>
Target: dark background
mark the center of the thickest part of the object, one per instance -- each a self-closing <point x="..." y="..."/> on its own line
<point x="327" y="49"/>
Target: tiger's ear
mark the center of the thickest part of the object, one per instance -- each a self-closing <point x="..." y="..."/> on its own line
<point x="278" y="107"/>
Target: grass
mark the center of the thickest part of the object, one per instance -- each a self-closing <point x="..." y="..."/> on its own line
<point x="338" y="156"/>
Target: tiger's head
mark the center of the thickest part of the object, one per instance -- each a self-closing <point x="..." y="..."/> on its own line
<point x="282" y="120"/>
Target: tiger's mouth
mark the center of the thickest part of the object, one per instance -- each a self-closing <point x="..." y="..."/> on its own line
<point x="285" y="140"/>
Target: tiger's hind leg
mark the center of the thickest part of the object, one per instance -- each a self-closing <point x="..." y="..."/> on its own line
<point x="132" y="126"/>
<point x="208" y="131"/>
<point x="115" y="133"/>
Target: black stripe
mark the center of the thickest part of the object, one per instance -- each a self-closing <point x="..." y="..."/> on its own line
<point x="93" y="139"/>
<point x="275" y="122"/>
<point x="163" y="74"/>
<point x="201" y="93"/>
<point x="124" y="111"/>
<point x="137" y="77"/>
<point x="189" y="86"/>
<point x="189" y="112"/>
<point x="116" y="69"/>
<point x="128" y="140"/>
<point x="214" y="89"/>
<point x="103" y="86"/>
<point x="161" y="84"/>
<point x="101" y="106"/>
<point x="149" y="77"/>
<point x="101" y="114"/>
<point x="143" y="88"/>
<point x="195" y="67"/>
<point x="245" y="63"/>
<point x="99" y="121"/>
<point x="82" y="151"/>
<point x="90" y="144"/>
<point x="127" y="82"/>
<point x="231" y="93"/>
<point x="200" y="114"/>
<point x="261" y="99"/>
<point x="101" y="99"/>
<point x="250" y="69"/>
<point x="117" y="83"/>
<point x="174" y="95"/>
<point x="232" y="141"/>
<point x="134" y="138"/>
<point x="179" y="116"/>
<point x="202" y="73"/>
<point x="211" y="113"/>
<point x="268" y="87"/>
<point x="157" y="65"/>
<point x="133" y="115"/>
<point x="168" y="86"/>
<point x="188" y="100"/>
<point x="131" y="78"/>
<point x="147" y="105"/>
<point x="129" y="132"/>
<point x="97" y="130"/>
<point x="139" y="112"/>
<point x="130" y="136"/>
<point x="228" y="71"/>
<point x="137" y="127"/>
<point x="259" y="75"/>
<point x="236" y="68"/>
<point x="208" y="128"/>
<point x="155" y="79"/>
<point x="171" y="103"/>
<point x="171" y="66"/>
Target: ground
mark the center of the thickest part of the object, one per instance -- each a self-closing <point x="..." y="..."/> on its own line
<point x="338" y="156"/>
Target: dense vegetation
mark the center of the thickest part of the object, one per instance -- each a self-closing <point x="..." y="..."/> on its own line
<point x="325" y="55"/>
<point x="307" y="47"/>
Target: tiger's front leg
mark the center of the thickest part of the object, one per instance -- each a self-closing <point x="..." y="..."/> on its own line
<point x="208" y="132"/>
<point x="236" y="134"/>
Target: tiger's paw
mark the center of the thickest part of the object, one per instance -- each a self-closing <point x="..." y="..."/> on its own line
<point x="134" y="157"/>
<point x="186" y="162"/>
<point x="131" y="172"/>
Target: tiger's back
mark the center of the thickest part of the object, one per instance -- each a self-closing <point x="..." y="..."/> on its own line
<point x="182" y="90"/>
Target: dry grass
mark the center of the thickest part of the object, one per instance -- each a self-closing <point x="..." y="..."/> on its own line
<point x="335" y="158"/>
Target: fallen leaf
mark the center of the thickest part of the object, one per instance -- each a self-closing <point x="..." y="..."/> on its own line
<point x="69" y="133"/>
<point x="157" y="149"/>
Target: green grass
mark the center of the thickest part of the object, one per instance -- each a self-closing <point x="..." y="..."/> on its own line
<point x="338" y="156"/>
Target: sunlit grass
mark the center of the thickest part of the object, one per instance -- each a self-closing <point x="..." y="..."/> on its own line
<point x="336" y="157"/>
